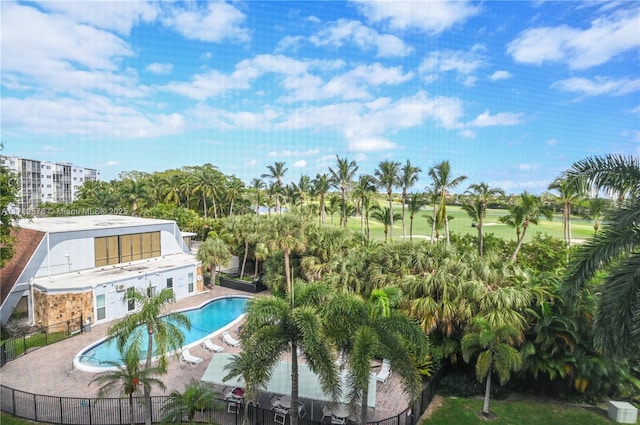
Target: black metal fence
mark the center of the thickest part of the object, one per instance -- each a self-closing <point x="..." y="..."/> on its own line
<point x="16" y="347"/>
<point x="117" y="411"/>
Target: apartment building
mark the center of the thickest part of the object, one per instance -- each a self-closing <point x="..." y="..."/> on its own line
<point x="45" y="181"/>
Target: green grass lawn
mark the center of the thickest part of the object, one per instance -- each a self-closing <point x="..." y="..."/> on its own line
<point x="461" y="224"/>
<point x="10" y="420"/>
<point x="464" y="411"/>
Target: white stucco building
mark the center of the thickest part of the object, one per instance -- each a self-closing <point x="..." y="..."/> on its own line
<point x="66" y="267"/>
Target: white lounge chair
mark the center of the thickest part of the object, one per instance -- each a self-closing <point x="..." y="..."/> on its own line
<point x="210" y="346"/>
<point x="229" y="340"/>
<point x="187" y="358"/>
<point x="385" y="372"/>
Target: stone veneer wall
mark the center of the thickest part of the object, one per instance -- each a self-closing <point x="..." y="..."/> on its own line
<point x="199" y="279"/>
<point x="50" y="309"/>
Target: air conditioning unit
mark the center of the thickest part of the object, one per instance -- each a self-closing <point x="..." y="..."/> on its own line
<point x="121" y="287"/>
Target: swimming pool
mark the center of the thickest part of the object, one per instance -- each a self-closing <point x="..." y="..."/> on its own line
<point x="206" y="320"/>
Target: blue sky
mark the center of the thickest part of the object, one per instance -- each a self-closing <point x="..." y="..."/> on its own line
<point x="510" y="92"/>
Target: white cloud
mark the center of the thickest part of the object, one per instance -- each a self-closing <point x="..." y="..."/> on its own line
<point x="606" y="38"/>
<point x="371" y="145"/>
<point x="119" y="16"/>
<point x="431" y="17"/>
<point x="551" y="142"/>
<point x="92" y="116"/>
<point x="452" y="60"/>
<point x="63" y="56"/>
<point x="512" y="186"/>
<point x="597" y="86"/>
<point x="347" y="31"/>
<point x="501" y="119"/>
<point x="301" y="163"/>
<point x="500" y="75"/>
<point x="109" y="164"/>
<point x="217" y="22"/>
<point x="159" y="68"/>
<point x="288" y="153"/>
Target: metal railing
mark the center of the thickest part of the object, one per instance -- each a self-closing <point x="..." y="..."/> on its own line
<point x="117" y="411"/>
<point x="13" y="348"/>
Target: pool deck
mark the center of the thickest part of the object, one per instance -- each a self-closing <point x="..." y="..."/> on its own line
<point x="49" y="370"/>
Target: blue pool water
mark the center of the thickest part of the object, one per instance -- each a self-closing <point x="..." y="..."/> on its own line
<point x="205" y="320"/>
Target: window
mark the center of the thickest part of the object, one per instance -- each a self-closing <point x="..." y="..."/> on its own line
<point x="170" y="283"/>
<point x="190" y="283"/>
<point x="101" y="307"/>
<point x="131" y="301"/>
<point x="124" y="248"/>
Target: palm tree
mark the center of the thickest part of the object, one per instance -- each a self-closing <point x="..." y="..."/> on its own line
<point x="196" y="396"/>
<point x="528" y="210"/>
<point x="481" y="194"/>
<point x="496" y="353"/>
<point x="134" y="192"/>
<point x="320" y="188"/>
<point x="288" y="236"/>
<point x="276" y="172"/>
<point x="595" y="210"/>
<point x="374" y="327"/>
<point x="206" y="186"/>
<point x="235" y="188"/>
<point x="415" y="204"/>
<point x="362" y="192"/>
<point x="384" y="216"/>
<point x="569" y="191"/>
<point x="257" y="186"/>
<point x="341" y="178"/>
<point x="442" y="183"/>
<point x="616" y="249"/>
<point x="128" y="374"/>
<point x="213" y="252"/>
<point x="164" y="334"/>
<point x="388" y="175"/>
<point x="274" y="326"/>
<point x="408" y="177"/>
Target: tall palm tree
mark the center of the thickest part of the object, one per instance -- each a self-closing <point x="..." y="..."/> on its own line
<point x="480" y="195"/>
<point x="615" y="248"/>
<point x="388" y="176"/>
<point x="274" y="326"/>
<point x="289" y="236"/>
<point x="443" y="182"/>
<point x="341" y="178"/>
<point x="257" y="186"/>
<point x="207" y="186"/>
<point x="276" y="172"/>
<point x="409" y="175"/>
<point x="302" y="188"/>
<point x="163" y="335"/>
<point x="497" y="353"/>
<point x="234" y="189"/>
<point x="374" y="327"/>
<point x="527" y="210"/>
<point x="213" y="252"/>
<point x="196" y="396"/>
<point x="414" y="205"/>
<point x="320" y="187"/>
<point x="569" y="190"/>
<point x="362" y="192"/>
<point x="129" y="375"/>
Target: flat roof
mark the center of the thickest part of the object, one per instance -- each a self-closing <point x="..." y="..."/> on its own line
<point x="86" y="222"/>
<point x="85" y="279"/>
